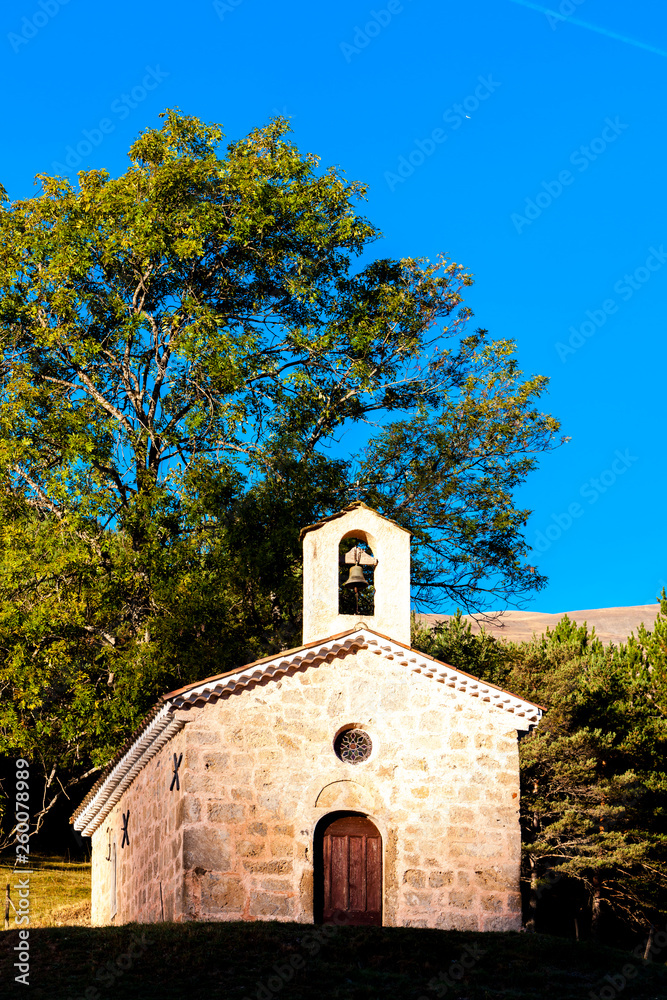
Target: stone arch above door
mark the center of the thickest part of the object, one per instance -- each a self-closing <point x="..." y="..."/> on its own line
<point x="345" y="794"/>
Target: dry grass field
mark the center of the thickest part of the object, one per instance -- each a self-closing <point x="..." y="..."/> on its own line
<point x="59" y="891"/>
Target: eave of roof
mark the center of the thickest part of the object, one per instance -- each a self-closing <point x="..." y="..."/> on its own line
<point x="160" y="724"/>
<point x="156" y="729"/>
<point x="346" y="510"/>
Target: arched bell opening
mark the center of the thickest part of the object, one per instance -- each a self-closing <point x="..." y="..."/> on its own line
<point x="348" y="870"/>
<point x="356" y="575"/>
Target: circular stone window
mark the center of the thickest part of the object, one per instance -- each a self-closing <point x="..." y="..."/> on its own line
<point x="353" y="746"/>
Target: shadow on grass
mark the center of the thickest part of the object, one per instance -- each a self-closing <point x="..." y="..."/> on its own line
<point x="263" y="960"/>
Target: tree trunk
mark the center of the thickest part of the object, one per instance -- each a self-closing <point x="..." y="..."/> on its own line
<point x="649" y="944"/>
<point x="531" y="923"/>
<point x="596" y="906"/>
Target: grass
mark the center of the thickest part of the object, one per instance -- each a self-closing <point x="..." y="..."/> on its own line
<point x="59" y="891"/>
<point x="265" y="961"/>
<point x="234" y="961"/>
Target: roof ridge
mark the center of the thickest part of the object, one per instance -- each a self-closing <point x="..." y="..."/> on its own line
<point x="346" y="510"/>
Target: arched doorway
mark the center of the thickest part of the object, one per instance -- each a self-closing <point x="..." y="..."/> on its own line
<point x="348" y="870"/>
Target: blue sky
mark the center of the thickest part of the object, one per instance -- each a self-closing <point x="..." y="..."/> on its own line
<point x="551" y="191"/>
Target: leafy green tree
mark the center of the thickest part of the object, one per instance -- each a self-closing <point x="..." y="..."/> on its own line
<point x="452" y="640"/>
<point x="593" y="776"/>
<point x="180" y="348"/>
<point x="594" y="785"/>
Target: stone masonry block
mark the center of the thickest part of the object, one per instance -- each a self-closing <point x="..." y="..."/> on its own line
<point x="514" y="902"/>
<point x="282" y="847"/>
<point x="225" y="812"/>
<point x="462" y="899"/>
<point x="458" y="741"/>
<point x="412" y="763"/>
<point x="508" y="779"/>
<point x="492" y="904"/>
<point x="205" y="847"/>
<point x="437" y="879"/>
<point x="495" y="878"/>
<point x="484" y="741"/>
<point x="268" y="867"/>
<point x="202" y="737"/>
<point x="462" y="833"/>
<point x="288" y="742"/>
<point x="189" y="810"/>
<point x="276" y="884"/>
<point x="221" y="894"/>
<point x="451" y="920"/>
<point x="488" y="763"/>
<point x="414" y="877"/>
<point x="258" y="738"/>
<point x="270" y="905"/>
<point x="417" y="898"/>
<point x="250" y="848"/>
<point x="469" y="794"/>
<point x="474" y="850"/>
<point x="215" y="761"/>
<point x="500" y="922"/>
<point x="461" y="814"/>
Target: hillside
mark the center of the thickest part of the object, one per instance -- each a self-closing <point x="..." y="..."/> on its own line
<point x="611" y="624"/>
<point x="264" y="960"/>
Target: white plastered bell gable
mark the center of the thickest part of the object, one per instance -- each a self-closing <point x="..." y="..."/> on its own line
<point x="390" y="545"/>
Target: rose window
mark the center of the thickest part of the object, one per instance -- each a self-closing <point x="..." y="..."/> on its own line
<point x="353" y="746"/>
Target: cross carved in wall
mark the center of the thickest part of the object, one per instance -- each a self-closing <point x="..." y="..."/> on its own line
<point x="126" y="836"/>
<point x="174" y="780"/>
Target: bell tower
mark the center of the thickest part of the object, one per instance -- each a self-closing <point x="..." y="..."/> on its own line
<point x="386" y="549"/>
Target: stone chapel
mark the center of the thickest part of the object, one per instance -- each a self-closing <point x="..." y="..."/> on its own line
<point x="353" y="778"/>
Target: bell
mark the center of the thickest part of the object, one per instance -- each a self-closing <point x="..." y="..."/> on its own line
<point x="356" y="578"/>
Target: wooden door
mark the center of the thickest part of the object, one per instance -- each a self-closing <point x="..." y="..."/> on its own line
<point x="352" y="872"/>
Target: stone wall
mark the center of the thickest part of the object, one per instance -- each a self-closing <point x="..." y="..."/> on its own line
<point x="153" y="858"/>
<point x="442" y="786"/>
